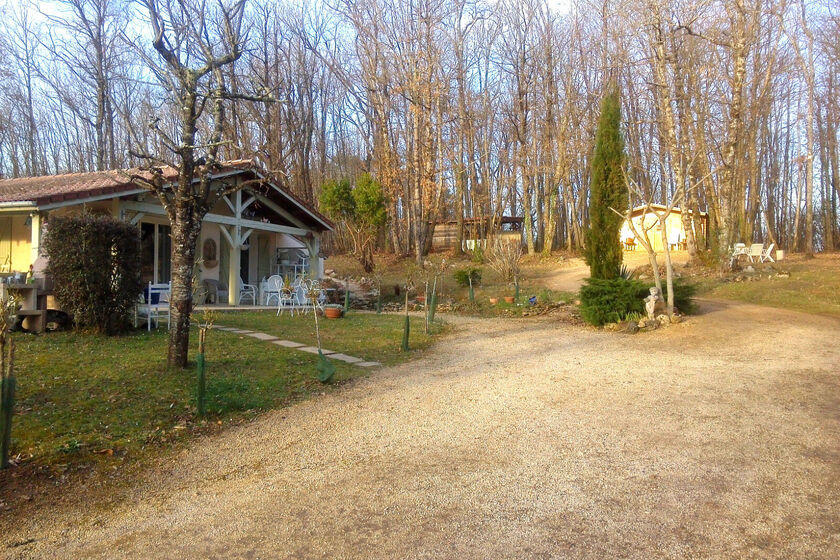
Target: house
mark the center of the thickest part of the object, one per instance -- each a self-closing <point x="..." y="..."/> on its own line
<point x="257" y="231"/>
<point x="645" y="218"/>
<point x="476" y="232"/>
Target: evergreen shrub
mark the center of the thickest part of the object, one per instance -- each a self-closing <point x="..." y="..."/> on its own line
<point x="609" y="301"/>
<point x="95" y="264"/>
<point x="463" y="275"/>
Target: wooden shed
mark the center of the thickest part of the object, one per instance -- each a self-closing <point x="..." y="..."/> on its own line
<point x="476" y="232"/>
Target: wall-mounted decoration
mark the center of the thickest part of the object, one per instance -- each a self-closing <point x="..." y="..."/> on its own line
<point x="208" y="253"/>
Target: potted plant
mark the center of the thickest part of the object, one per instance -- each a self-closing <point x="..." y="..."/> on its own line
<point x="333" y="311"/>
<point x="494" y="300"/>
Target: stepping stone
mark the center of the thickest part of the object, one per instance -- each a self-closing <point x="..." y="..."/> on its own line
<point x="237" y="331"/>
<point x="226" y="328"/>
<point x="287" y="343"/>
<point x="263" y="336"/>
<point x="314" y="350"/>
<point x="367" y="364"/>
<point x="345" y="358"/>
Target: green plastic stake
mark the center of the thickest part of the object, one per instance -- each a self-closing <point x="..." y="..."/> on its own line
<point x="326" y="369"/>
<point x="433" y="305"/>
<point x="407" y="326"/>
<point x="202" y="380"/>
<point x="346" y="298"/>
<point x="7" y="404"/>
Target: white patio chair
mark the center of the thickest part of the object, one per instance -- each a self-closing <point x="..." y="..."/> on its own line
<point x="765" y="254"/>
<point x="247" y="290"/>
<point x="273" y="287"/>
<point x="299" y="288"/>
<point x="755" y="250"/>
<point x="153" y="304"/>
<point x="286" y="302"/>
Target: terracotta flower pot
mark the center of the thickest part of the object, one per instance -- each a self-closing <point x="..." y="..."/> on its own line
<point x="332" y="312"/>
<point x="421" y="299"/>
<point x="508" y="299"/>
<point x="494" y="300"/>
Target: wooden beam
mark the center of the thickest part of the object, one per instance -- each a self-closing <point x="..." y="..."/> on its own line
<point x="157" y="210"/>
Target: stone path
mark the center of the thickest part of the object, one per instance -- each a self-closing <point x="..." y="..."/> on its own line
<point x="332" y="354"/>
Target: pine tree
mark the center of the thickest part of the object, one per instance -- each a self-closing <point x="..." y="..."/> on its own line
<point x="608" y="189"/>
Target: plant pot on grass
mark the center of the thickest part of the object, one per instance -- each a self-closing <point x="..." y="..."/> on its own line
<point x="494" y="300"/>
<point x="333" y="312"/>
<point x="509" y="299"/>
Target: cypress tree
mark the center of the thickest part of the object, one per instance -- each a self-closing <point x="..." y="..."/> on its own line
<point x="607" y="189"/>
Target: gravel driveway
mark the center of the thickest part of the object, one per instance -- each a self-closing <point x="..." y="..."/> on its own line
<point x="713" y="439"/>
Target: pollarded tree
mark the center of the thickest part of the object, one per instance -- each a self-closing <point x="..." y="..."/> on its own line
<point x="361" y="211"/>
<point x="195" y="43"/>
<point x="608" y="190"/>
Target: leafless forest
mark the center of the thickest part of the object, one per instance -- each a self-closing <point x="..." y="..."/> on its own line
<point x="460" y="108"/>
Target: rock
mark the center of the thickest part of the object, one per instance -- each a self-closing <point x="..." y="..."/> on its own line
<point x="663" y="320"/>
<point x="749" y="269"/>
<point x="676" y="319"/>
<point x="631" y="327"/>
<point x="783" y="275"/>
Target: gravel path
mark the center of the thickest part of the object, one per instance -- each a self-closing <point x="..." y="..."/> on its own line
<point x="716" y="439"/>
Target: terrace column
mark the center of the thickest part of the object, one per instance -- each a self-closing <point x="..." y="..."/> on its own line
<point x="233" y="274"/>
<point x="313" y="246"/>
<point x="35" y="241"/>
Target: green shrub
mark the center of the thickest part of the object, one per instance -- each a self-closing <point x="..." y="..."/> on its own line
<point x="684" y="297"/>
<point x="477" y="254"/>
<point x="95" y="263"/>
<point x="604" y="301"/>
<point x="462" y="276"/>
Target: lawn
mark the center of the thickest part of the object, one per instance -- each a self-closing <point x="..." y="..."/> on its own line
<point x="90" y="399"/>
<point x="813" y="286"/>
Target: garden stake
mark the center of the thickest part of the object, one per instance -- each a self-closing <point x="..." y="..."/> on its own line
<point x="7" y="403"/>
<point x="326" y="369"/>
<point x="202" y="381"/>
<point x="433" y="303"/>
<point x="407" y="326"/>
<point x="472" y="293"/>
<point x="346" y="296"/>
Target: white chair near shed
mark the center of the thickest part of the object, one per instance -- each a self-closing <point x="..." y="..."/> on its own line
<point x="755" y="251"/>
<point x="766" y="254"/>
<point x="153" y="305"/>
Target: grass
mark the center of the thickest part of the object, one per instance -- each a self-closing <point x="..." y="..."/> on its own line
<point x="86" y="399"/>
<point x="813" y="287"/>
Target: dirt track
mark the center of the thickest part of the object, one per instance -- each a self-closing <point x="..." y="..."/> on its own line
<point x="525" y="440"/>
